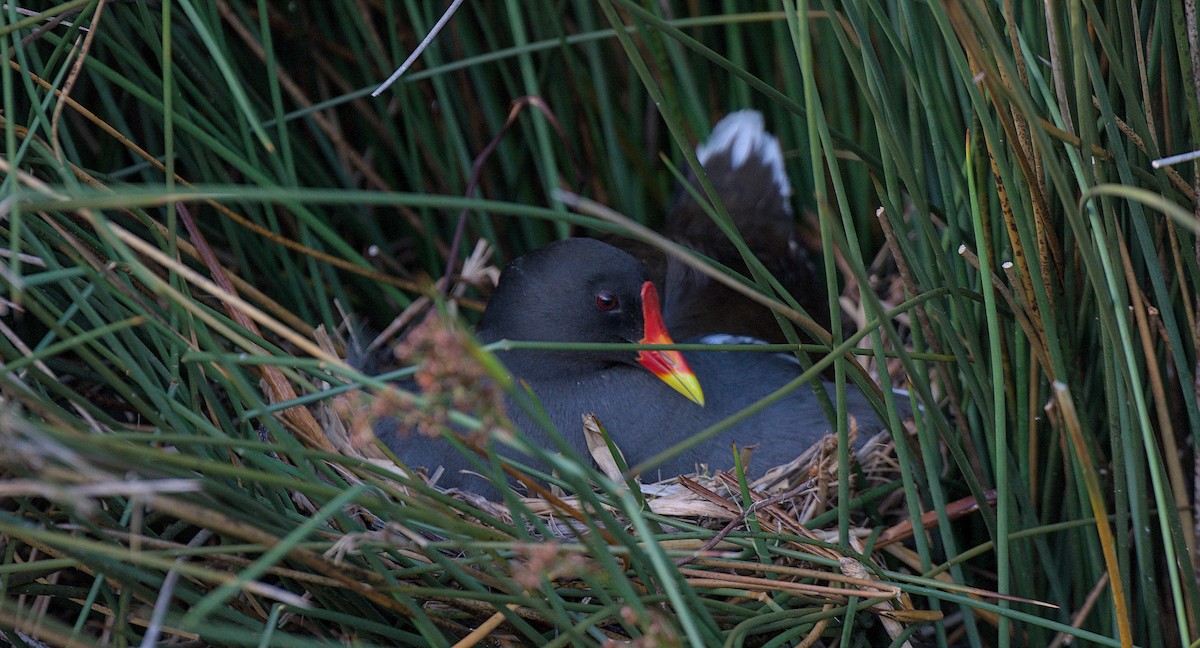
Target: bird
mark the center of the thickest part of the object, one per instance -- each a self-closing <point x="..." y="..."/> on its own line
<point x="587" y="291"/>
<point x="584" y="290"/>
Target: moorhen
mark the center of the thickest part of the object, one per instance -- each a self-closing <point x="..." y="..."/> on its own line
<point x="584" y="290"/>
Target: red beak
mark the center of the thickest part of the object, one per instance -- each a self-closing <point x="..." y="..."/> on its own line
<point x="669" y="366"/>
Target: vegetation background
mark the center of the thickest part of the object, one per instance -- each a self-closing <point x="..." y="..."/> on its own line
<point x="192" y="190"/>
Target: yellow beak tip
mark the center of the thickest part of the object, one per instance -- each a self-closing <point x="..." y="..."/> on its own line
<point x="688" y="386"/>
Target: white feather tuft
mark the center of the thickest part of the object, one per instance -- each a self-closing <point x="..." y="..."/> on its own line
<point x="742" y="134"/>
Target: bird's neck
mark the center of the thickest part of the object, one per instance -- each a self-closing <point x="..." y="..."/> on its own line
<point x="530" y="364"/>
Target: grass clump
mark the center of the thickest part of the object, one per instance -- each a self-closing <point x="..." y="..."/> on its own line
<point x="197" y="197"/>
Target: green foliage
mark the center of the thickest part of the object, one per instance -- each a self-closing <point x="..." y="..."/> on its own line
<point x="191" y="190"/>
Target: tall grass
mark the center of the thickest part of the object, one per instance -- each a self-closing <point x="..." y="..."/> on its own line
<point x="195" y="194"/>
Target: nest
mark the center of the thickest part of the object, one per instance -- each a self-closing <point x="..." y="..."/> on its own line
<point x="228" y="530"/>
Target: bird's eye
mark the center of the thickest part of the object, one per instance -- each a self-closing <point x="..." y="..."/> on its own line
<point x="607" y="301"/>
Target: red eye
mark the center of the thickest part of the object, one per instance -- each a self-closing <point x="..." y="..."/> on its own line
<point x="607" y="301"/>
